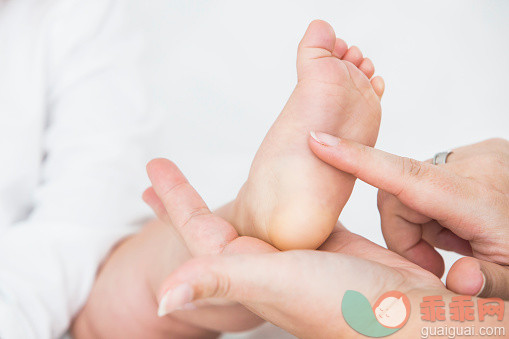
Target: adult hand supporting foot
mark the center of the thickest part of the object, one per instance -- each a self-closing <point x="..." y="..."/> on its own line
<point x="300" y="290"/>
<point x="123" y="303"/>
<point x="460" y="206"/>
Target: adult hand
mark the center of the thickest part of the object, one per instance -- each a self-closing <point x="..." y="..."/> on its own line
<point x="300" y="291"/>
<point x="123" y="302"/>
<point x="460" y="206"/>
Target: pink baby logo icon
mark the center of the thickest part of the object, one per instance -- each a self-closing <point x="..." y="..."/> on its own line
<point x="392" y="309"/>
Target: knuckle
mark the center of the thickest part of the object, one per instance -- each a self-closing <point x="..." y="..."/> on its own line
<point x="190" y="217"/>
<point x="388" y="204"/>
<point x="222" y="286"/>
<point x="493" y="160"/>
<point x="497" y="142"/>
<point x="382" y="198"/>
<point x="211" y="281"/>
<point x="198" y="211"/>
<point x="174" y="189"/>
<point x="193" y="214"/>
<point x="411" y="167"/>
<point x="387" y="200"/>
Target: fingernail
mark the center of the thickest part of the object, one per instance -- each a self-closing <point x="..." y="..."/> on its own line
<point x="483" y="284"/>
<point x="325" y="139"/>
<point x="176" y="299"/>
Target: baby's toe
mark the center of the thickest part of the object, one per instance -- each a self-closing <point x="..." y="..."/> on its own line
<point x="367" y="67"/>
<point x="353" y="55"/>
<point x="378" y="85"/>
<point x="340" y="48"/>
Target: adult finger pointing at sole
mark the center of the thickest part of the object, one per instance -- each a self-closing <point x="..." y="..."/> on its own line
<point x="423" y="206"/>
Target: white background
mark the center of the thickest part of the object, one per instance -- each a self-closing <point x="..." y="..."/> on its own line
<point x="221" y="71"/>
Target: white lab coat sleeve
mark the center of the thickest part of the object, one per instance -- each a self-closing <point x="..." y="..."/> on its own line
<point x="91" y="174"/>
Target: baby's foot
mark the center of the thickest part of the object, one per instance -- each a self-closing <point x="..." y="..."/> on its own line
<point x="291" y="198"/>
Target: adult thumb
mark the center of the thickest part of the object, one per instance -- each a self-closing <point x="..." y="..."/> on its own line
<point x="471" y="276"/>
<point x="235" y="277"/>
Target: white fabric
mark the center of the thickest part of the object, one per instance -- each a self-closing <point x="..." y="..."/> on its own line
<point x="73" y="127"/>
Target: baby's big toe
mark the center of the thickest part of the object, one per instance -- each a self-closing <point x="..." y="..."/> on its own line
<point x="318" y="41"/>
